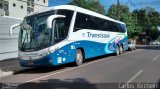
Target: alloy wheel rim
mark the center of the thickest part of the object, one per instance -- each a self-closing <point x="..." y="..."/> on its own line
<point x="79" y="58"/>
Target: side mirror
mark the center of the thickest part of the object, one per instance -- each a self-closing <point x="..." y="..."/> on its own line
<point x="12" y="27"/>
<point x="51" y="18"/>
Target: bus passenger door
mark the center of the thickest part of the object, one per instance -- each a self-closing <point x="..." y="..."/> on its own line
<point x="59" y="34"/>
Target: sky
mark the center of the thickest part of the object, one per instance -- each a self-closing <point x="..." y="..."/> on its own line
<point x="133" y="4"/>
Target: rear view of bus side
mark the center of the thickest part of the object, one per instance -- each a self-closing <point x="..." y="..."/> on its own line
<point x="66" y="33"/>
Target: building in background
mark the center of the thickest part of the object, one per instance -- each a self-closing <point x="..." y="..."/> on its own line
<point x="8" y="44"/>
<point x="20" y="8"/>
<point x="12" y="12"/>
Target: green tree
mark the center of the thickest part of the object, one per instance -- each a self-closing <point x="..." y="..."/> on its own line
<point x="112" y="11"/>
<point x="153" y="16"/>
<point x="141" y="17"/>
<point x="93" y="5"/>
<point x="124" y="15"/>
<point x="147" y="20"/>
<point x="154" y="22"/>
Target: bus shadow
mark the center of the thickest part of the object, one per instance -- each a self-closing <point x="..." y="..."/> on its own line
<point x="77" y="83"/>
<point x="36" y="70"/>
<point x="99" y="57"/>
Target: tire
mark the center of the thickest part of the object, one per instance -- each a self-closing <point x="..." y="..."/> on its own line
<point x="121" y="50"/>
<point x="79" y="57"/>
<point x="117" y="50"/>
<point x="132" y="49"/>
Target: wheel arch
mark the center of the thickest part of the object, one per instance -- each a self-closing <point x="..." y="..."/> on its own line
<point x="118" y="44"/>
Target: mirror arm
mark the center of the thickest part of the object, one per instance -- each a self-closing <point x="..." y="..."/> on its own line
<point x="12" y="27"/>
<point x="51" y="18"/>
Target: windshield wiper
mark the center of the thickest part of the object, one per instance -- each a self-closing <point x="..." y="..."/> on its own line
<point x="23" y="45"/>
<point x="33" y="40"/>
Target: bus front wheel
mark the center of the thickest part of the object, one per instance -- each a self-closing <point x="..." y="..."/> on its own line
<point x="78" y="57"/>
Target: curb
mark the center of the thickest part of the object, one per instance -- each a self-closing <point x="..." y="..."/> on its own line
<point x="148" y="46"/>
<point x="9" y="59"/>
<point x="5" y="73"/>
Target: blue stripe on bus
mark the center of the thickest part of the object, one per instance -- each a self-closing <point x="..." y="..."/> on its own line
<point x="91" y="49"/>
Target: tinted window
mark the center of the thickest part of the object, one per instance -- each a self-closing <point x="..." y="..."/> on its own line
<point x="122" y="28"/>
<point x="111" y="26"/>
<point x="62" y="25"/>
<point x="93" y="23"/>
<point x="81" y="22"/>
<point x="84" y="21"/>
<point x="60" y="31"/>
<point x="68" y="17"/>
<point x="103" y="25"/>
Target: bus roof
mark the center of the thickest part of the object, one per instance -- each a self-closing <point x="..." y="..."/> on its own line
<point x="74" y="8"/>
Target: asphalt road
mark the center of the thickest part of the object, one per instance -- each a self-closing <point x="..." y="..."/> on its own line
<point x="139" y="66"/>
<point x="9" y="64"/>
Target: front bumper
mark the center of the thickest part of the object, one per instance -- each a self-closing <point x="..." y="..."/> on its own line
<point x="44" y="61"/>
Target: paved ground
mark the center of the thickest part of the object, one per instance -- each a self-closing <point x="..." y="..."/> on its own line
<point x="9" y="64"/>
<point x="139" y="66"/>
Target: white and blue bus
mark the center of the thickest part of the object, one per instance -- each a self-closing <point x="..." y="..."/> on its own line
<point x="65" y="34"/>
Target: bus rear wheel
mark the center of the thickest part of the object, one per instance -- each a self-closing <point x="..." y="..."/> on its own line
<point x="121" y="49"/>
<point x="117" y="50"/>
<point x="79" y="57"/>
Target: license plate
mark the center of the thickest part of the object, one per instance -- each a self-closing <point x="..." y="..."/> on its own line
<point x="30" y="63"/>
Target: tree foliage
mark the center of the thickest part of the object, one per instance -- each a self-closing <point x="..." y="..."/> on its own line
<point x="89" y="4"/>
<point x="123" y="14"/>
<point x="146" y="19"/>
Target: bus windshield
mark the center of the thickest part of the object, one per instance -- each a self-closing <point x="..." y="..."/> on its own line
<point x="34" y="34"/>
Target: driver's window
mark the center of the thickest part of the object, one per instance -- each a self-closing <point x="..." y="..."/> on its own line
<point x="60" y="32"/>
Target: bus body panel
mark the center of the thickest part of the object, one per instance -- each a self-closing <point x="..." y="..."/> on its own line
<point x="93" y="42"/>
<point x="97" y="43"/>
<point x="66" y="53"/>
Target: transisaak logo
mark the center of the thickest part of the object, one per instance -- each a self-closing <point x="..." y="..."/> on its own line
<point x="83" y="34"/>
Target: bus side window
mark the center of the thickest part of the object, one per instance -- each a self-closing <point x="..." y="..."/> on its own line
<point x="81" y="22"/>
<point x="59" y="31"/>
<point x="122" y="28"/>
